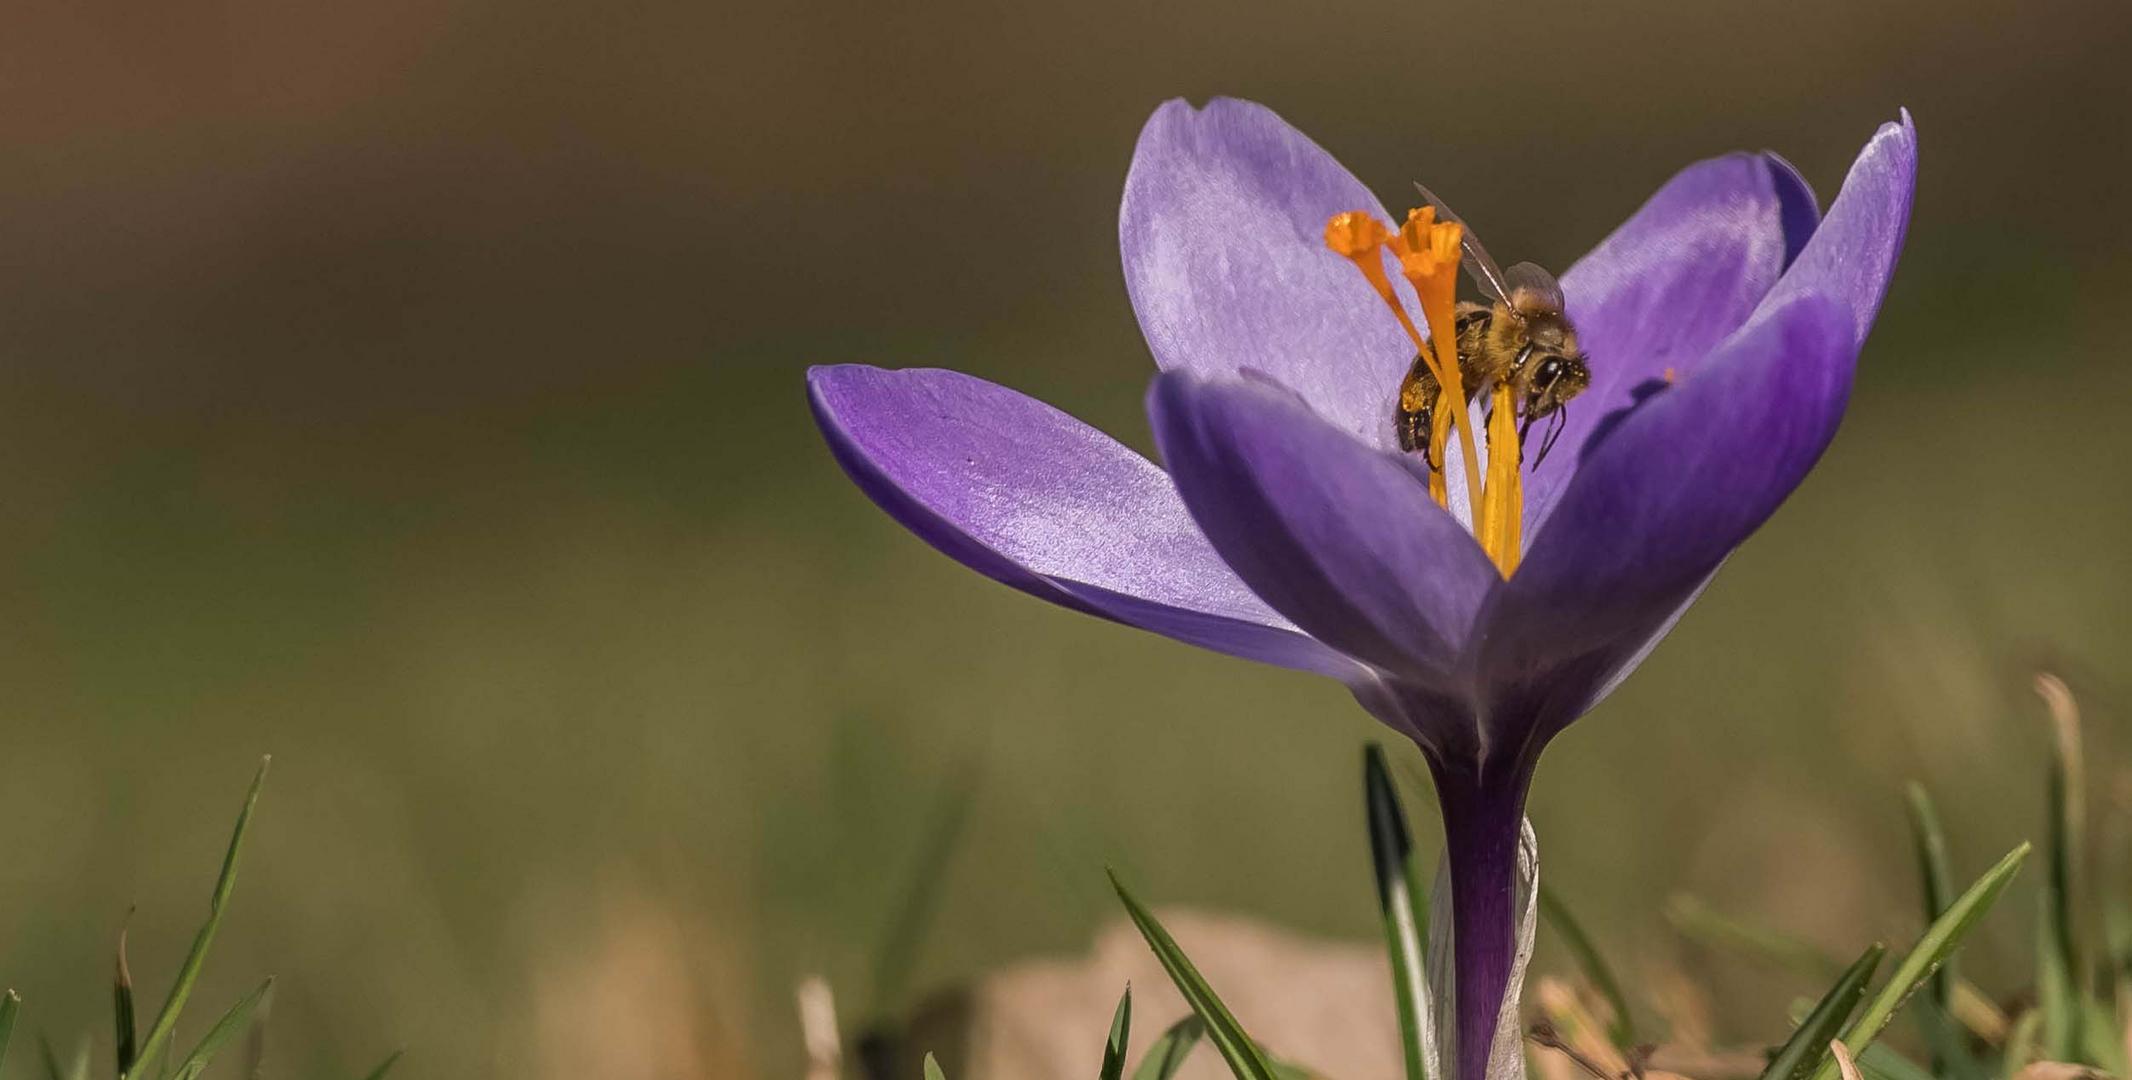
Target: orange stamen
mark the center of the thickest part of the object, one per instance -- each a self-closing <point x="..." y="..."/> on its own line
<point x="1360" y="239"/>
<point x="1428" y="252"/>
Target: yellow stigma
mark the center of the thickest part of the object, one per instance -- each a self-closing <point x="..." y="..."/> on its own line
<point x="1502" y="519"/>
<point x="1428" y="251"/>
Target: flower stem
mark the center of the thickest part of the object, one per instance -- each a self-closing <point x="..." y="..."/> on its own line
<point x="1482" y="816"/>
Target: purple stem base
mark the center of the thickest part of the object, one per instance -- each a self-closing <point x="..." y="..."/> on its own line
<point x="1483" y="813"/>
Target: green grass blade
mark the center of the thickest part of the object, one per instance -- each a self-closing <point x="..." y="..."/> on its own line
<point x="2105" y="1048"/>
<point x="1121" y="1032"/>
<point x="1939" y="941"/>
<point x="122" y="1008"/>
<point x="166" y="1021"/>
<point x="1167" y="1055"/>
<point x="912" y="917"/>
<point x="1937" y="884"/>
<point x="53" y="1069"/>
<point x="2057" y="998"/>
<point x="1401" y="899"/>
<point x="1935" y="1016"/>
<point x="1244" y="1057"/>
<point x="2060" y="974"/>
<point x="2020" y="1044"/>
<point x="385" y="1066"/>
<point x="932" y="1069"/>
<point x="1808" y="1046"/>
<point x="10" y="1004"/>
<point x="218" y="1036"/>
<point x="255" y="1046"/>
<point x="1715" y="929"/>
<point x="1596" y="971"/>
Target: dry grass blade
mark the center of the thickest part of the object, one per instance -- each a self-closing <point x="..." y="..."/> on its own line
<point x="1844" y="1063"/>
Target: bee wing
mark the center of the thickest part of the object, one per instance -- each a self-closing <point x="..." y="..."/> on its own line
<point x="1478" y="263"/>
<point x="1530" y="277"/>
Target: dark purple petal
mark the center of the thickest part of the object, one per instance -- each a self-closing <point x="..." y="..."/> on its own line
<point x="1339" y="537"/>
<point x="1031" y="497"/>
<point x="1665" y="288"/>
<point x="1660" y="502"/>
<point x="1799" y="211"/>
<point x="1852" y="255"/>
<point x="1223" y="237"/>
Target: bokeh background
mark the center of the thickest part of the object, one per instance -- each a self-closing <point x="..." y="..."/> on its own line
<point x="412" y="389"/>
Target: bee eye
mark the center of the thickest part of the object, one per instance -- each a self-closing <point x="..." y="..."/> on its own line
<point x="1550" y="369"/>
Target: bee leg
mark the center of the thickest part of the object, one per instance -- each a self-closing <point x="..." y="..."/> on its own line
<point x="1553" y="433"/>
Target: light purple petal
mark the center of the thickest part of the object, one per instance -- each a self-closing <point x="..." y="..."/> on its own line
<point x="1222" y="232"/>
<point x="1852" y="255"/>
<point x="1031" y="497"/>
<point x="1665" y="288"/>
<point x="1339" y="537"/>
<point x="1660" y="502"/>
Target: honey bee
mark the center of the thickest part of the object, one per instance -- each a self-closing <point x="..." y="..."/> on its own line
<point x="1520" y="338"/>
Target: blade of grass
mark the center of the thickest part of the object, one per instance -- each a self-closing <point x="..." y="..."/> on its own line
<point x="255" y="1043"/>
<point x="1121" y="1031"/>
<point x="2020" y="1044"/>
<point x="166" y="1021"/>
<point x="932" y="1069"/>
<point x="10" y="1004"/>
<point x="1803" y="1052"/>
<point x="122" y="1008"/>
<point x="1167" y="1055"/>
<point x="1244" y="1057"/>
<point x="78" y="1071"/>
<point x="1698" y="920"/>
<point x="2060" y="975"/>
<point x="896" y="958"/>
<point x="221" y="1033"/>
<point x="1401" y="899"/>
<point x="1622" y="1032"/>
<point x="1935" y="1015"/>
<point x="1939" y="941"/>
<point x="1936" y="882"/>
<point x="386" y="1065"/>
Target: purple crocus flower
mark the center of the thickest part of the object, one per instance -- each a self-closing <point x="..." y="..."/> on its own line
<point x="1722" y="324"/>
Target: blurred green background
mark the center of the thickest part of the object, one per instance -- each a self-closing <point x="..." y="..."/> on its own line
<point x="412" y="390"/>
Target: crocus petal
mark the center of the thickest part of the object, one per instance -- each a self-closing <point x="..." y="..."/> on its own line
<point x="1339" y="537"/>
<point x="1666" y="287"/>
<point x="1659" y="503"/>
<point x="1033" y="498"/>
<point x="1222" y="232"/>
<point x="1795" y="197"/>
<point x="1852" y="255"/>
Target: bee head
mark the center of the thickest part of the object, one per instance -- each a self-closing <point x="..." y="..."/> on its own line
<point x="1556" y="378"/>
